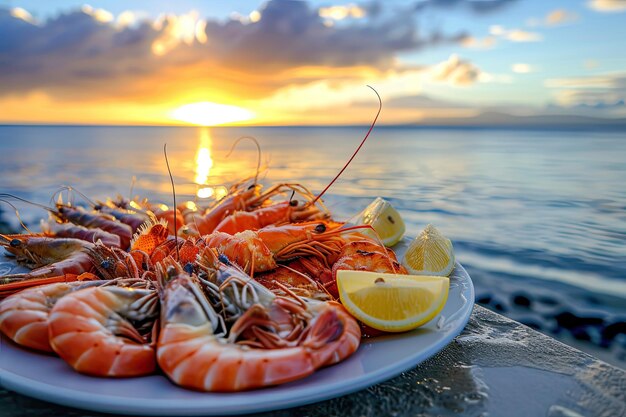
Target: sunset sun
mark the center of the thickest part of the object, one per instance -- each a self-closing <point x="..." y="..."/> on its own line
<point x="206" y="113"/>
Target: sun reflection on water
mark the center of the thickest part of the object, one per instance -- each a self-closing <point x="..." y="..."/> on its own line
<point x="204" y="164"/>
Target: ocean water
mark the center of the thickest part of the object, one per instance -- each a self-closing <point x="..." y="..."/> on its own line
<point x="538" y="218"/>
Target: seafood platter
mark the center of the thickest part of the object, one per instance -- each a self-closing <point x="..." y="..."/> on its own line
<point x="255" y="301"/>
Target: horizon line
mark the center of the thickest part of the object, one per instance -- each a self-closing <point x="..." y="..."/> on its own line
<point x="618" y="124"/>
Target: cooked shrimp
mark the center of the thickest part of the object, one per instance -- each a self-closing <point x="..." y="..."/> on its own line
<point x="131" y="217"/>
<point x="24" y="316"/>
<point x="49" y="256"/>
<point x="242" y="198"/>
<point x="368" y="256"/>
<point x="258" y="251"/>
<point x="92" y="220"/>
<point x="305" y="277"/>
<point x="106" y="331"/>
<point x="52" y="228"/>
<point x="194" y="350"/>
<point x="283" y="212"/>
<point x="239" y="198"/>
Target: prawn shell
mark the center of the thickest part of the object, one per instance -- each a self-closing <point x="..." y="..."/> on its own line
<point x="78" y="335"/>
<point x="24" y="319"/>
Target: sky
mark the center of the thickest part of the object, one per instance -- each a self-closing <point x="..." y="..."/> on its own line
<point x="283" y="62"/>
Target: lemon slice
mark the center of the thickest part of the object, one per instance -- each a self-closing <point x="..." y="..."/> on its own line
<point x="384" y="219"/>
<point x="431" y="253"/>
<point x="390" y="302"/>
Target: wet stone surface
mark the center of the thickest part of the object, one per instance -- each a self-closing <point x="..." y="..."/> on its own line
<point x="495" y="367"/>
<point x="591" y="326"/>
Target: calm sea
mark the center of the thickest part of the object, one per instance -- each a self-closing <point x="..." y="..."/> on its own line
<point x="538" y="218"/>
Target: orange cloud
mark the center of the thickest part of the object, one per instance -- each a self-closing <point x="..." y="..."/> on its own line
<point x="554" y="18"/>
<point x="87" y="54"/>
<point x="456" y="71"/>
<point x="607" y="6"/>
<point x="89" y="65"/>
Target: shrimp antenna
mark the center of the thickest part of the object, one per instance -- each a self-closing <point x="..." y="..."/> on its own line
<point x="7" y="195"/>
<point x="17" y="214"/>
<point x="380" y="107"/>
<point x="73" y="190"/>
<point x="132" y="185"/>
<point x="258" y="159"/>
<point x="169" y="171"/>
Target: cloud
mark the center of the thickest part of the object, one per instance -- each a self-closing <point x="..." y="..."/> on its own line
<point x="596" y="81"/>
<point x="591" y="64"/>
<point x="607" y="6"/>
<point x="349" y="11"/>
<point x="22" y="14"/>
<point x="89" y="53"/>
<point x="559" y="17"/>
<point x="593" y="91"/>
<point x="521" y="68"/>
<point x="487" y="42"/>
<point x="456" y="71"/>
<point x="556" y="17"/>
<point x="514" y="35"/>
<point x="476" y="6"/>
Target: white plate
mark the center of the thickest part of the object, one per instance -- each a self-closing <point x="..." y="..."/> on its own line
<point x="49" y="378"/>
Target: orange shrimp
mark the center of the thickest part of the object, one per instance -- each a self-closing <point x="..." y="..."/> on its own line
<point x="305" y="277"/>
<point x="368" y="256"/>
<point x="283" y="212"/>
<point x="364" y="255"/>
<point x="11" y="288"/>
<point x="49" y="256"/>
<point x="94" y="330"/>
<point x="195" y="351"/>
<point x="310" y="274"/>
<point x="258" y="251"/>
<point x="170" y="218"/>
<point x="112" y="262"/>
<point x="148" y="237"/>
<point x="187" y="251"/>
<point x="24" y="316"/>
<point x="242" y="199"/>
<point x="238" y="199"/>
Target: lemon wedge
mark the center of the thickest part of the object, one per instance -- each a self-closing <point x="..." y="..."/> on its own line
<point x="384" y="219"/>
<point x="390" y="302"/>
<point x="431" y="253"/>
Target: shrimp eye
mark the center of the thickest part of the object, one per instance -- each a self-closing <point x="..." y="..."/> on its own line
<point x="293" y="203"/>
<point x="106" y="264"/>
<point x="320" y="228"/>
<point x="98" y="207"/>
<point x="223" y="259"/>
<point x="144" y="266"/>
<point x="15" y="243"/>
<point x="251" y="186"/>
<point x="188" y="268"/>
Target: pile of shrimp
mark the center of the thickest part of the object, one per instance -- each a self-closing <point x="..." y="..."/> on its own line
<point x="236" y="295"/>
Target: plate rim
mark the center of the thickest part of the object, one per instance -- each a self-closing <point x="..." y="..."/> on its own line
<point x="157" y="406"/>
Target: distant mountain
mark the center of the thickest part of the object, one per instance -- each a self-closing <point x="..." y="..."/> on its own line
<point x="497" y="119"/>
